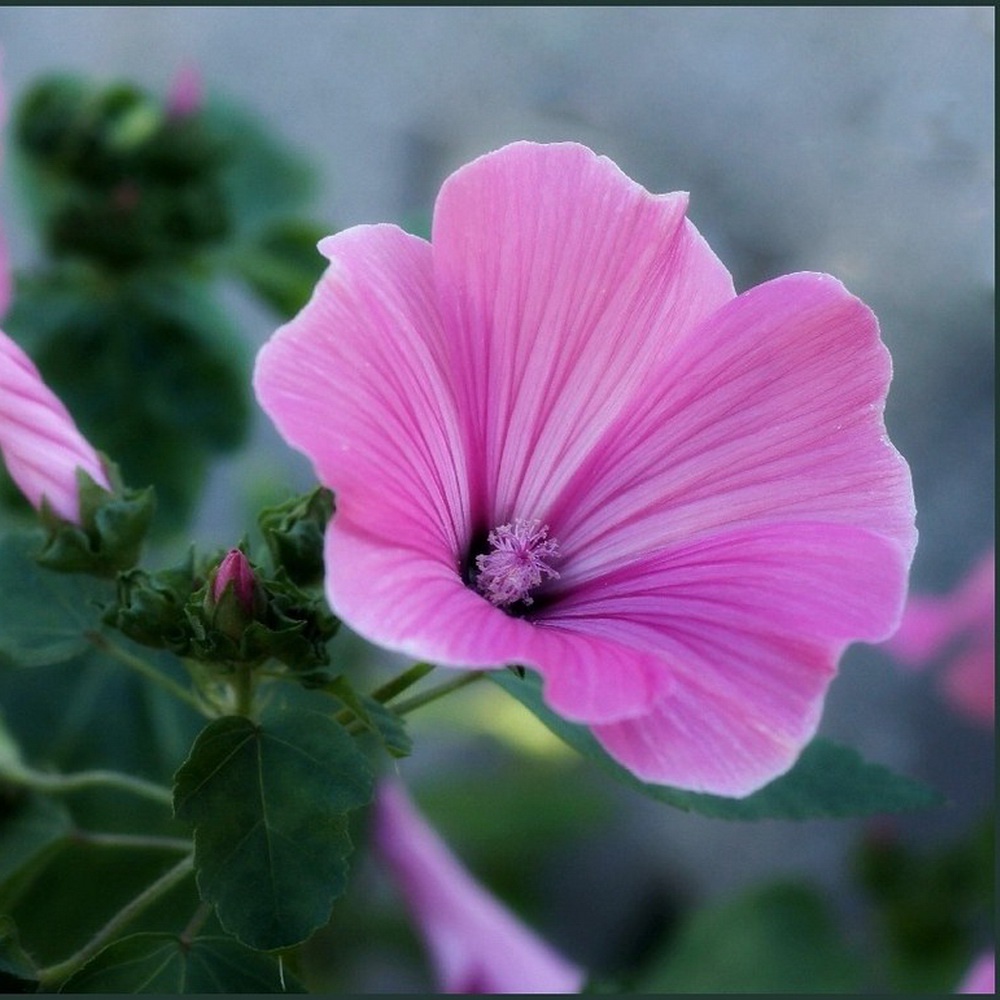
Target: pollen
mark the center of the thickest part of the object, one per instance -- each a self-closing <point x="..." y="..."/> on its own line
<point x="517" y="563"/>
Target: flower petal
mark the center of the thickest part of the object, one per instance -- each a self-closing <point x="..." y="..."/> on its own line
<point x="418" y="606"/>
<point x="771" y="410"/>
<point x="748" y="626"/>
<point x="561" y="281"/>
<point x="358" y="382"/>
<point x="41" y="445"/>
<point x="476" y="944"/>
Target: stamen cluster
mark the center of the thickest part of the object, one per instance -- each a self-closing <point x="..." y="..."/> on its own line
<point x="516" y="563"/>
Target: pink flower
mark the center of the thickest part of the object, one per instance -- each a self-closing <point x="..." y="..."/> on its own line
<point x="476" y="945"/>
<point x="40" y="444"/>
<point x="981" y="977"/>
<point x="559" y="439"/>
<point x="6" y="278"/>
<point x="187" y="92"/>
<point x="961" y="627"/>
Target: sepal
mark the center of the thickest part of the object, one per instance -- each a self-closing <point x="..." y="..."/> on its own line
<point x="113" y="526"/>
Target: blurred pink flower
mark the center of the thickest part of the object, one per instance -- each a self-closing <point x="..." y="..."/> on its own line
<point x="6" y="278"/>
<point x="476" y="945"/>
<point x="960" y="628"/>
<point x="186" y="93"/>
<point x="559" y="439"/>
<point x="981" y="977"/>
<point x="40" y="444"/>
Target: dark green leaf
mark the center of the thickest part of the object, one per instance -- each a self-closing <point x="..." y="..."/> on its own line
<point x="16" y="968"/>
<point x="827" y="781"/>
<point x="32" y="828"/>
<point x="263" y="179"/>
<point x="163" y="963"/>
<point x="776" y="939"/>
<point x="43" y="614"/>
<point x="269" y="805"/>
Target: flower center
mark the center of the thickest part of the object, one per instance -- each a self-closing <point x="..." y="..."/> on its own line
<point x="517" y="562"/>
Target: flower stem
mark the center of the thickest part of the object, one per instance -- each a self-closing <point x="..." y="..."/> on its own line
<point x="58" y="784"/>
<point x="243" y="685"/>
<point x="131" y="841"/>
<point x="147" y="670"/>
<point x="55" y="974"/>
<point x="418" y="700"/>
<point x="399" y="684"/>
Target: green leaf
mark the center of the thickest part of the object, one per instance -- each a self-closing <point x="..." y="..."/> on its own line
<point x="379" y="719"/>
<point x="777" y="939"/>
<point x="166" y="964"/>
<point x="827" y="781"/>
<point x="43" y="614"/>
<point x="16" y="967"/>
<point x="269" y="805"/>
<point x="262" y="179"/>
<point x="282" y="265"/>
<point x="32" y="829"/>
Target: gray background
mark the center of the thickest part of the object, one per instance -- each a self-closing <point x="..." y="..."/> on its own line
<point x="855" y="141"/>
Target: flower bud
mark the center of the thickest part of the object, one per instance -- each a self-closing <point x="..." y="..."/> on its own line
<point x="186" y="94"/>
<point x="40" y="444"/>
<point x="233" y="600"/>
<point x="235" y="570"/>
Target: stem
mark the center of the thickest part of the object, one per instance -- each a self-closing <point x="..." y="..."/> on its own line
<point x="128" y="840"/>
<point x="202" y="914"/>
<point x="147" y="670"/>
<point x="404" y="707"/>
<point x="243" y="685"/>
<point x="63" y="970"/>
<point x="399" y="684"/>
<point x="58" y="784"/>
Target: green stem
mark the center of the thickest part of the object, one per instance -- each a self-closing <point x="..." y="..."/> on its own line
<point x="55" y="974"/>
<point x="347" y="717"/>
<point x="399" y="684"/>
<point x="418" y="700"/>
<point x="194" y="925"/>
<point x="58" y="784"/>
<point x="147" y="670"/>
<point x="243" y="685"/>
<point x="133" y="841"/>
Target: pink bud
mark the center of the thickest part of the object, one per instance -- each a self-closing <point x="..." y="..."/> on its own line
<point x="477" y="945"/>
<point x="186" y="92"/>
<point x="40" y="444"/>
<point x="235" y="570"/>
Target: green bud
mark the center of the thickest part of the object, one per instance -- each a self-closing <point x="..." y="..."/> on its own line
<point x="112" y="529"/>
<point x="293" y="533"/>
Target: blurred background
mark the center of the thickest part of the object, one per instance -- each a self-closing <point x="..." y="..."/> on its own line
<point x="854" y="141"/>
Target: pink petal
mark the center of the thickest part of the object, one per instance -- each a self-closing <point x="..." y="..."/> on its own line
<point x="414" y="605"/>
<point x="477" y="946"/>
<point x="771" y="409"/>
<point x="748" y="627"/>
<point x="358" y="381"/>
<point x="981" y="977"/>
<point x="41" y="445"/>
<point x="561" y="282"/>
